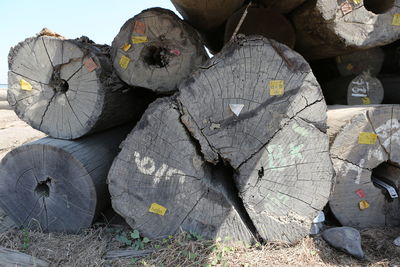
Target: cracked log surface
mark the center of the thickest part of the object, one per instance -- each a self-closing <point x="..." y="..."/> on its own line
<point x="59" y="185"/>
<point x="160" y="184"/>
<point x="67" y="88"/>
<point x="261" y="21"/>
<point x="275" y="146"/>
<point x="356" y="160"/>
<point x="327" y="28"/>
<point x="156" y="50"/>
<point x="362" y="89"/>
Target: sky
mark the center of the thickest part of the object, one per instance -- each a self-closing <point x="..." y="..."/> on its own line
<point x="100" y="20"/>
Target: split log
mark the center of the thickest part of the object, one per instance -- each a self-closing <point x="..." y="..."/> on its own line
<point x="261" y="21"/>
<point x="156" y="50"/>
<point x="264" y="120"/>
<point x="354" y="90"/>
<point x="356" y="63"/>
<point x="283" y="6"/>
<point x="391" y="84"/>
<point x="59" y="185"/>
<point x="328" y="28"/>
<point x="160" y="184"/>
<point x="365" y="142"/>
<point x="208" y="17"/>
<point x="67" y="88"/>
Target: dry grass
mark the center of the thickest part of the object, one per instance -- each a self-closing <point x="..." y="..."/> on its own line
<point x="88" y="249"/>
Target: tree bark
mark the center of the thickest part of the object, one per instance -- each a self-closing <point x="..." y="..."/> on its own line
<point x="67" y="88"/>
<point x="365" y="142"/>
<point x="283" y="6"/>
<point x="327" y="28"/>
<point x="59" y="185"/>
<point x="354" y="90"/>
<point x="261" y="21"/>
<point x="264" y="121"/>
<point x="156" y="50"/>
<point x="160" y="184"/>
<point x="356" y="63"/>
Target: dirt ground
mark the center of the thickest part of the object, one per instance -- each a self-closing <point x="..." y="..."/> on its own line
<point x="90" y="247"/>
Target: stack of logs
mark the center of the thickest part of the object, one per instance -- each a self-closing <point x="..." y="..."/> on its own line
<point x="240" y="145"/>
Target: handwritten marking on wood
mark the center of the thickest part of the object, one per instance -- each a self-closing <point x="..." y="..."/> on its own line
<point x="157" y="209"/>
<point x="365" y="138"/>
<point x="276" y="87"/>
<point x="277" y="158"/>
<point x="300" y="130"/>
<point x="359" y="87"/>
<point x="389" y="132"/>
<point x="25" y="85"/>
<point x="145" y="165"/>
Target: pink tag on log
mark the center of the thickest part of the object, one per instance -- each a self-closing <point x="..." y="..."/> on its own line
<point x="360" y="193"/>
<point x="176" y="52"/>
<point x="89" y="64"/>
<point x="346" y="8"/>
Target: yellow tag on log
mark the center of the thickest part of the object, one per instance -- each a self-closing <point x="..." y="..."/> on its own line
<point x="126" y="47"/>
<point x="366" y="100"/>
<point x="276" y="87"/>
<point x="124" y="62"/>
<point x="25" y="85"/>
<point x="157" y="209"/>
<point x="363" y="205"/>
<point x="349" y="67"/>
<point x="396" y="20"/>
<point x="357" y="2"/>
<point x="139" y="39"/>
<point x="367" y="138"/>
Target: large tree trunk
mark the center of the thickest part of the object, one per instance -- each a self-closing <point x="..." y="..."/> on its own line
<point x="283" y="6"/>
<point x="365" y="143"/>
<point x="67" y="88"/>
<point x="263" y="121"/>
<point x="356" y="63"/>
<point x="59" y="185"/>
<point x="208" y="17"/>
<point x="327" y="28"/>
<point x="354" y="90"/>
<point x="156" y="50"/>
<point x="160" y="184"/>
<point x="261" y="21"/>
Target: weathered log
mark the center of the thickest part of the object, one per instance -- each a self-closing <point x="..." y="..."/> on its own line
<point x="283" y="6"/>
<point x="365" y="142"/>
<point x="264" y="121"/>
<point x="356" y="63"/>
<point x="160" y="184"/>
<point x="59" y="185"/>
<point x="328" y="28"/>
<point x="156" y="50"/>
<point x="354" y="90"/>
<point x="67" y="88"/>
<point x="261" y="21"/>
<point x="208" y="17"/>
<point x="391" y="86"/>
<point x="9" y="257"/>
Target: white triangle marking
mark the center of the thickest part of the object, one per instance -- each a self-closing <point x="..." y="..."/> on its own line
<point x="236" y="108"/>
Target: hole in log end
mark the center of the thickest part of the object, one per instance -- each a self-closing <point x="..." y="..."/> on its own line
<point x="390" y="175"/>
<point x="378" y="6"/>
<point x="156" y="56"/>
<point x="42" y="188"/>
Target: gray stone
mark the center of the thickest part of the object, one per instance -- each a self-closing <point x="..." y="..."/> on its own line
<point x="346" y="239"/>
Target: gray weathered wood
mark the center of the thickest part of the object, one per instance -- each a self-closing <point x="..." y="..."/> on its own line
<point x="362" y="89"/>
<point x="327" y="28"/>
<point x="9" y="257"/>
<point x="261" y="21"/>
<point x="159" y="165"/>
<point x="283" y="6"/>
<point x="275" y="146"/>
<point x="159" y="50"/>
<point x="358" y="62"/>
<point x="72" y="89"/>
<point x="356" y="160"/>
<point x="59" y="185"/>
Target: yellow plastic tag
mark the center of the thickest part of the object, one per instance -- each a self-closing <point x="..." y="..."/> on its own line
<point x="349" y="67"/>
<point x="25" y="85"/>
<point x="367" y="138"/>
<point x="126" y="47"/>
<point x="396" y="20"/>
<point x="276" y="87"/>
<point x="363" y="205"/>
<point x="357" y="2"/>
<point x="139" y="39"/>
<point x="124" y="62"/>
<point x="366" y="100"/>
<point x="157" y="209"/>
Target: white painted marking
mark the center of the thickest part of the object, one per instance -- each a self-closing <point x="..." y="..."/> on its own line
<point x="145" y="165"/>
